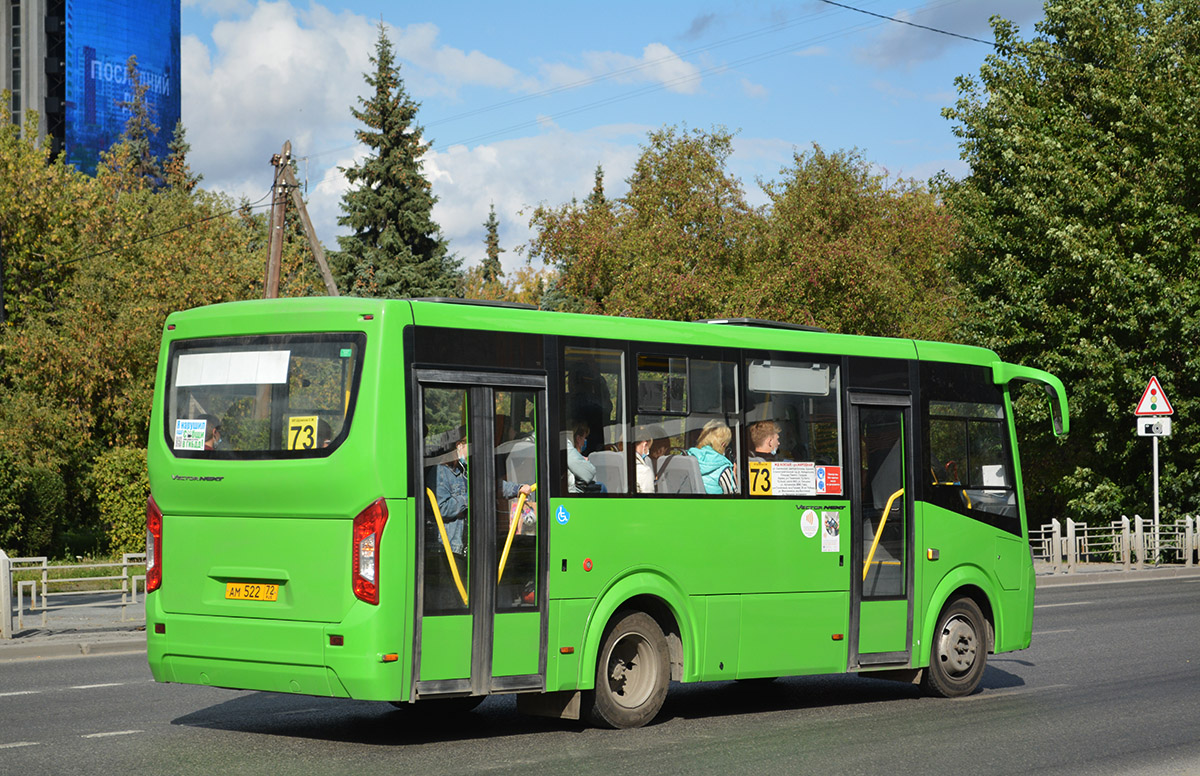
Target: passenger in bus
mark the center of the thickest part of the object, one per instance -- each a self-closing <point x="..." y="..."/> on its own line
<point x="581" y="474"/>
<point x="212" y="432"/>
<point x="652" y="443"/>
<point x="764" y="440"/>
<point x="324" y="433"/>
<point x="715" y="469"/>
<point x="450" y="487"/>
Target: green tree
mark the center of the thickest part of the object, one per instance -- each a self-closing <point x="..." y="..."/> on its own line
<point x="42" y="206"/>
<point x="491" y="241"/>
<point x="176" y="171"/>
<point x="131" y="158"/>
<point x="395" y="248"/>
<point x="1080" y="227"/>
<point x="850" y="250"/>
<point x="838" y="245"/>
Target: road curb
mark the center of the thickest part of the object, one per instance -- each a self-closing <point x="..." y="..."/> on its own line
<point x="50" y="649"/>
<point x="1116" y="575"/>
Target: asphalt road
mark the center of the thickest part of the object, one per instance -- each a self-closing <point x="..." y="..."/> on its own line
<point x="1111" y="685"/>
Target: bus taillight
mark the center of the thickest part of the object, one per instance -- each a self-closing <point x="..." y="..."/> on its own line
<point x="368" y="529"/>
<point x="154" y="525"/>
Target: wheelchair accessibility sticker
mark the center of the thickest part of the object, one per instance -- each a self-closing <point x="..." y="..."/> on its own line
<point x="562" y="515"/>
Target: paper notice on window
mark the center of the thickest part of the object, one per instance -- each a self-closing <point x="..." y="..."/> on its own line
<point x="258" y="367"/>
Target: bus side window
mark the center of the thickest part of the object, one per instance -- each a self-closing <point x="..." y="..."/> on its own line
<point x="594" y="421"/>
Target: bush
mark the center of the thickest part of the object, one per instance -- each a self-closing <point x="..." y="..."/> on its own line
<point x="32" y="503"/>
<point x="122" y="486"/>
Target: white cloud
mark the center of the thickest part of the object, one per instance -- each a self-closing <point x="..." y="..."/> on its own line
<point x="517" y="176"/>
<point x="753" y="90"/>
<point x="444" y="69"/>
<point x="657" y="64"/>
<point x="256" y="88"/>
<point x="220" y="7"/>
<point x="905" y="45"/>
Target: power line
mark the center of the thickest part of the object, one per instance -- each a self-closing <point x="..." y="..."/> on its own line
<point x="991" y="43"/>
<point x="1023" y="49"/>
<point x="237" y="209"/>
<point x="641" y="66"/>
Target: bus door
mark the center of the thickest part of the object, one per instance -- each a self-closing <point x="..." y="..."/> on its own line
<point x="481" y="533"/>
<point x="881" y="500"/>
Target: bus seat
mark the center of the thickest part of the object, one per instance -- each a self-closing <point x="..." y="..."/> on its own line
<point x="610" y="470"/>
<point x="519" y="465"/>
<point x="680" y="474"/>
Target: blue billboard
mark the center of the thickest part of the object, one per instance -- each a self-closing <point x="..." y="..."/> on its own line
<point x="101" y="37"/>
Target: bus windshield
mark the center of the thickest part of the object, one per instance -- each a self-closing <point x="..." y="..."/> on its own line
<point x="274" y="397"/>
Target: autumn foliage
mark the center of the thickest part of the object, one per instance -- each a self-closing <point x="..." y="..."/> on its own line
<point x="838" y="245"/>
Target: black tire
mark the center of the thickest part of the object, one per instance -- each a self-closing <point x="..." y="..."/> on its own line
<point x="632" y="673"/>
<point x="958" y="655"/>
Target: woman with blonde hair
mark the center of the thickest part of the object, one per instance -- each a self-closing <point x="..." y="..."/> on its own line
<point x="715" y="469"/>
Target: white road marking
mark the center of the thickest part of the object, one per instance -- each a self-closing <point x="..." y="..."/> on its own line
<point x="1072" y="603"/>
<point x="1047" y="633"/>
<point x="113" y="733"/>
<point x="18" y="744"/>
<point x="93" y="686"/>
<point x="22" y="692"/>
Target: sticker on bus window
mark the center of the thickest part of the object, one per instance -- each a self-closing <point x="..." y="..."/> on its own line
<point x="794" y="478"/>
<point x="189" y="434"/>
<point x="829" y="480"/>
<point x="302" y="432"/>
<point x="831" y="533"/>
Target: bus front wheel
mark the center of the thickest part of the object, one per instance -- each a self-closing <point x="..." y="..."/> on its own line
<point x="631" y="674"/>
<point x="959" y="653"/>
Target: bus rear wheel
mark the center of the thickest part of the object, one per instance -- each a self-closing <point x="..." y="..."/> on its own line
<point x="959" y="651"/>
<point x="632" y="673"/>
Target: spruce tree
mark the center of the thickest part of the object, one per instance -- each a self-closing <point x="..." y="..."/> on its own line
<point x="491" y="265"/>
<point x="175" y="169"/>
<point x="131" y="157"/>
<point x="395" y="249"/>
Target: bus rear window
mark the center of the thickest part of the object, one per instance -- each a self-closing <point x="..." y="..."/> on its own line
<point x="277" y="396"/>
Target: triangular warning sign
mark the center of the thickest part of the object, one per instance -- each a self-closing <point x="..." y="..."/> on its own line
<point x="1154" y="401"/>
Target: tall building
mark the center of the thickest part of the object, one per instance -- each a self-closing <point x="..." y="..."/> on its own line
<point x="67" y="60"/>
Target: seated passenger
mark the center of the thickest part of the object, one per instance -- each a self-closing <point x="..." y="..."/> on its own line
<point x="764" y="440"/>
<point x="715" y="469"/>
<point x="581" y="474"/>
<point x="651" y="444"/>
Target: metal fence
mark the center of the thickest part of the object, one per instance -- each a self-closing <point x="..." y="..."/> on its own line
<point x="52" y="588"/>
<point x="1135" y="543"/>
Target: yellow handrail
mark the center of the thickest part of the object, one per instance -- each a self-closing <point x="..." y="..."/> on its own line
<point x="437" y="514"/>
<point x="512" y="529"/>
<point x="879" y="531"/>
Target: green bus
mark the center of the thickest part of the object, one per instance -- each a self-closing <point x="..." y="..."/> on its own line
<point x="431" y="501"/>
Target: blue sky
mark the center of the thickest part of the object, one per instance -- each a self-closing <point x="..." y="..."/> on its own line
<point x="522" y="100"/>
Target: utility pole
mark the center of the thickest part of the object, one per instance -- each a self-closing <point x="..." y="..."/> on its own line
<point x="275" y="234"/>
<point x="285" y="180"/>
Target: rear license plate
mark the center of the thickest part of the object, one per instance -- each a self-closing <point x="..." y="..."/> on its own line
<point x="251" y="591"/>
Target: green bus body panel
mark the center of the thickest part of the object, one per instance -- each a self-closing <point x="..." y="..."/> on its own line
<point x="300" y="556"/>
<point x="884" y="626"/>
<point x="445" y="647"/>
<point x="793" y="633"/>
<point x="763" y="552"/>
<point x="749" y="594"/>
<point x="516" y="640"/>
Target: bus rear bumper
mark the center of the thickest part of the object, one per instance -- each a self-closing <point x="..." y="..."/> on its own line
<point x="271" y="656"/>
